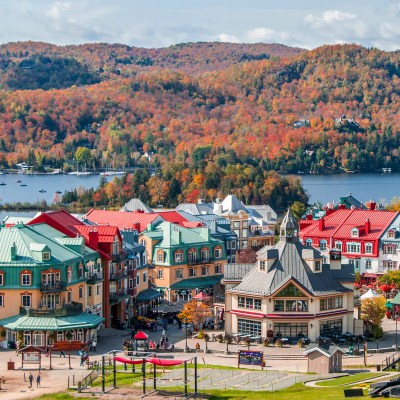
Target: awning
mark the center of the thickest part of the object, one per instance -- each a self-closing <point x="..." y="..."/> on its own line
<point x="395" y="301"/>
<point x="148" y="295"/>
<point x="23" y="322"/>
<point x="247" y="314"/>
<point x="389" y="304"/>
<point x="197" y="283"/>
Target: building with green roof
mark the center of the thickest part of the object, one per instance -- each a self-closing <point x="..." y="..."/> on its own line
<point x="183" y="261"/>
<point x="43" y="285"/>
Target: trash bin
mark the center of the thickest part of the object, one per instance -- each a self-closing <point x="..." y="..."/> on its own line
<point x="351" y="351"/>
<point x="378" y="368"/>
<point x="10" y="365"/>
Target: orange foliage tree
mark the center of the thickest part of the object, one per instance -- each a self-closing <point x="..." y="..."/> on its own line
<point x="195" y="312"/>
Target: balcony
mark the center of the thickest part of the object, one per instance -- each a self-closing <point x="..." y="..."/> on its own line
<point x="201" y="261"/>
<point x="117" y="297"/>
<point x="116" y="276"/>
<point x="68" y="309"/>
<point x="95" y="278"/>
<point x="54" y="287"/>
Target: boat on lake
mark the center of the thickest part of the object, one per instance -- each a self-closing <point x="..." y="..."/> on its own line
<point x="3" y="183"/>
<point x="23" y="184"/>
<point x="42" y="191"/>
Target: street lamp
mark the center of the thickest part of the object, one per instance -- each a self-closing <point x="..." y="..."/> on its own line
<point x="186" y="345"/>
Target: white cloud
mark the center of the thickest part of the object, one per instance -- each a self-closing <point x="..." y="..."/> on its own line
<point x="328" y="17"/>
<point x="267" y="35"/>
<point x="57" y="10"/>
<point x="224" y="37"/>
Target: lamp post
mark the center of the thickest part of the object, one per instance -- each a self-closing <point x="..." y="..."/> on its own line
<point x="396" y="317"/>
<point x="186" y="345"/>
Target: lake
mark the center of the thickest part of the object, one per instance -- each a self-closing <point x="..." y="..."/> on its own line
<point x="42" y="187"/>
<point x="364" y="187"/>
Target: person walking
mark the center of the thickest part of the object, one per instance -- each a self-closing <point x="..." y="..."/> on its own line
<point x="30" y="380"/>
<point x="94" y="344"/>
<point x="38" y="379"/>
<point x="62" y="353"/>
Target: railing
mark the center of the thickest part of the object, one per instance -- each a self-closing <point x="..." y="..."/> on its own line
<point x="200" y="261"/>
<point x="58" y="311"/>
<point x="87" y="381"/>
<point x="97" y="276"/>
<point x="115" y="276"/>
<point x="116" y="296"/>
<point x="53" y="287"/>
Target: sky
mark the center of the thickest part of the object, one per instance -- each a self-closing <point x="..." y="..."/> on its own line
<point x="161" y="23"/>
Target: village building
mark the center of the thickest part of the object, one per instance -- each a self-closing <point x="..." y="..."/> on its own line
<point x="182" y="261"/>
<point x="289" y="294"/>
<point x="44" y="286"/>
<point x="355" y="236"/>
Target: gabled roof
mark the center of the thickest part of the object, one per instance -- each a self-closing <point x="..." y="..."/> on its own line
<point x="196" y="208"/>
<point x="106" y="233"/>
<point x="340" y="224"/>
<point x="232" y="204"/>
<point x="172" y="216"/>
<point x="326" y="352"/>
<point x="134" y="205"/>
<point x="123" y="220"/>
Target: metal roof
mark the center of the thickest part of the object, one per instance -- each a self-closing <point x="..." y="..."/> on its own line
<point x="197" y="283"/>
<point x="23" y="322"/>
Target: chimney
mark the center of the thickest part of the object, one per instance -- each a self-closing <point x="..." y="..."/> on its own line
<point x="136" y="226"/>
<point x="367" y="226"/>
<point x="309" y="217"/>
<point x="342" y="207"/>
<point x="13" y="250"/>
<point x="372" y="205"/>
<point x="321" y="224"/>
<point x="94" y="238"/>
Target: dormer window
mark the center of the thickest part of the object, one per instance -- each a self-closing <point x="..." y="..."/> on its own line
<point x="317" y="265"/>
<point x="160" y="256"/>
<point x="46" y="256"/>
<point x="355" y="232"/>
<point x="391" y="234"/>
<point x="308" y="242"/>
<point x="262" y="265"/>
<point x="322" y="245"/>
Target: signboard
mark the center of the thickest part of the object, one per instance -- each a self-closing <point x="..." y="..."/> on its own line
<point x="33" y="358"/>
<point x="335" y="254"/>
<point x="251" y="358"/>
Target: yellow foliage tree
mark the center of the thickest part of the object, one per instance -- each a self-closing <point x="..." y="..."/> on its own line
<point x="373" y="311"/>
<point x="195" y="312"/>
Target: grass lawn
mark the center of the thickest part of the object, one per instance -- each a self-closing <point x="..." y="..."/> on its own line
<point x="344" y="380"/>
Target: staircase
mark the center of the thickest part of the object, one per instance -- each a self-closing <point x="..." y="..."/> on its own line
<point x="109" y="332"/>
<point x="391" y="361"/>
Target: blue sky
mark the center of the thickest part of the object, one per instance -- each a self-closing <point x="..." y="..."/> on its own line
<point x="160" y="23"/>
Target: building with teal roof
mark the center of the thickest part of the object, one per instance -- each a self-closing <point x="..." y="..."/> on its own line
<point x="183" y="261"/>
<point x="44" y="285"/>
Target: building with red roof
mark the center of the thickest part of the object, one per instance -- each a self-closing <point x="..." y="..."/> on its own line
<point x="352" y="235"/>
<point x="116" y="282"/>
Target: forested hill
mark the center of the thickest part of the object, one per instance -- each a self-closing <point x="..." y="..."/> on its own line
<point x="224" y="113"/>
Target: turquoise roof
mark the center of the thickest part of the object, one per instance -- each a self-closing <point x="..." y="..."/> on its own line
<point x="197" y="283"/>
<point x="23" y="322"/>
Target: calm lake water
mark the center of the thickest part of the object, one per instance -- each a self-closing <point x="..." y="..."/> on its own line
<point x="364" y="187"/>
<point x="323" y="188"/>
<point x="42" y="187"/>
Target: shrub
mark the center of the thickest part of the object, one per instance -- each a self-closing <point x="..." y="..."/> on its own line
<point x="278" y="343"/>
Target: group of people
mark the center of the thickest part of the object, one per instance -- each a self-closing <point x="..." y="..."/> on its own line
<point x="38" y="379"/>
<point x="162" y="344"/>
<point x="84" y="356"/>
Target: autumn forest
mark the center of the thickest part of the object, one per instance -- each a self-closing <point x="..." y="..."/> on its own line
<point x="199" y="120"/>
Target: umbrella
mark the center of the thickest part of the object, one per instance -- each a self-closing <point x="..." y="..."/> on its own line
<point x="201" y="296"/>
<point x="140" y="336"/>
<point x="385" y="288"/>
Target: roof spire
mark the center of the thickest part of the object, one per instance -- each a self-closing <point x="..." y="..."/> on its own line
<point x="289" y="228"/>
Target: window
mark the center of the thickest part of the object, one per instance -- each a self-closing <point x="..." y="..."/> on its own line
<point x="130" y="283"/>
<point x="248" y="327"/>
<point x="290" y="329"/>
<point x="160" y="274"/>
<point x="26" y="300"/>
<point x="218" y="252"/>
<point x="192" y="272"/>
<point x="354" y="232"/>
<point x="1" y="278"/>
<point x="368" y="248"/>
<point x="160" y="256"/>
<point x="262" y="265"/>
<point x="368" y="264"/>
<point x="80" y="292"/>
<point x="80" y="271"/>
<point x="98" y="289"/>
<point x="115" y="250"/>
<point x="290" y="291"/>
<point x="322" y="245"/>
<point x="192" y="256"/>
<point x="217" y="269"/>
<point x="69" y="274"/>
<point x="389" y="249"/>
<point x="46" y="256"/>
<point x="178" y="273"/>
<point x="317" y="265"/>
<point x="138" y="279"/>
<point x="1" y="300"/>
<point x="389" y="264"/>
<point x="26" y="279"/>
<point x="90" y="291"/>
<point x="204" y="270"/>
<point x="69" y="296"/>
<point x="144" y="277"/>
<point x="205" y="255"/>
<point x="330" y="303"/>
<point x="179" y="256"/>
<point x="236" y="224"/>
<point x="233" y="245"/>
<point x="249" y="302"/>
<point x="338" y="245"/>
<point x="245" y="233"/>
<point x="332" y="327"/>
<point x="308" y="242"/>
<point x="391" y="234"/>
<point x="353" y="247"/>
<point x="241" y="302"/>
<point x="244" y="244"/>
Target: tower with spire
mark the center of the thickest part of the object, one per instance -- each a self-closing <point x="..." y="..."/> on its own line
<point x="289" y="228"/>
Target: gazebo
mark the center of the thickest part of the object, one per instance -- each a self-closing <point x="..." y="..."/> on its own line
<point x="201" y="296"/>
<point x="140" y="340"/>
<point x="369" y="295"/>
